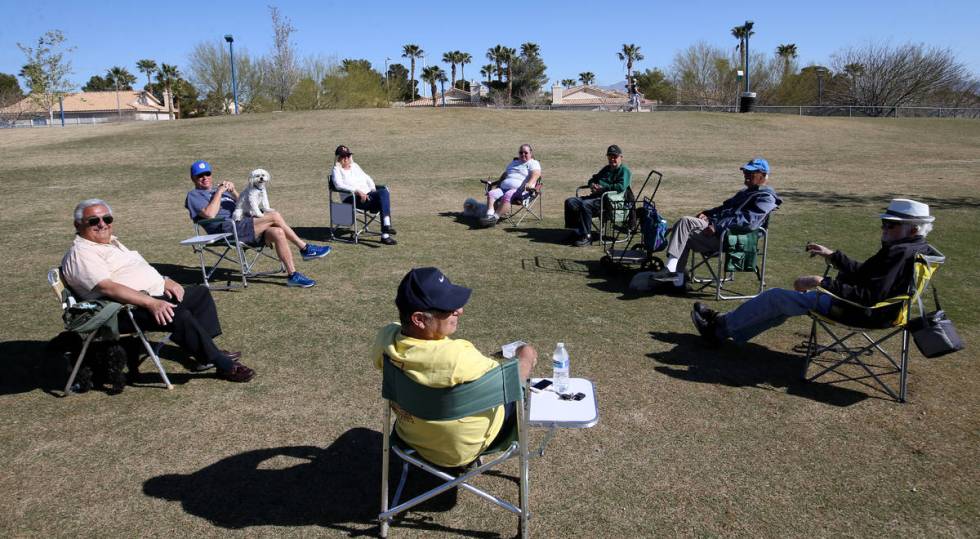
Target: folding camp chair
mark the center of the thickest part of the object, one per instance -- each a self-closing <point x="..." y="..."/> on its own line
<point x="93" y="318"/>
<point x="346" y="213"/>
<point x="226" y="247"/>
<point x="616" y="212"/>
<point x="736" y="253"/>
<point x="887" y="319"/>
<point x="526" y="201"/>
<point x="500" y="386"/>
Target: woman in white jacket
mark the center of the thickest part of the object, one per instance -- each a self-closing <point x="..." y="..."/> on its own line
<point x="348" y="176"/>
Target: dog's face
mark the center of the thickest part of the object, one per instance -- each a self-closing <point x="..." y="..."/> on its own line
<point x="259" y="178"/>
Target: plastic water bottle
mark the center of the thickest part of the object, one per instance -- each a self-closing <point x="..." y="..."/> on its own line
<point x="560" y="362"/>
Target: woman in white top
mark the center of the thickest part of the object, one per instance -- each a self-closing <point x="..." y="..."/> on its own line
<point x="524" y="171"/>
<point x="348" y="176"/>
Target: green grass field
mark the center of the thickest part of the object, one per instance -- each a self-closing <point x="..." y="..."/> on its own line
<point x="691" y="441"/>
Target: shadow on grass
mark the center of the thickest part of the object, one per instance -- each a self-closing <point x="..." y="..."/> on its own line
<point x="323" y="234"/>
<point x="556" y="236"/>
<point x="457" y="216"/>
<point x="336" y="488"/>
<point x="748" y="365"/>
<point x="29" y="365"/>
<point x="836" y="199"/>
<point x="225" y="275"/>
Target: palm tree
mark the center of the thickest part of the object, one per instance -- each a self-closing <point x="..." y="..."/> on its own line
<point x="463" y="59"/>
<point x="530" y="50"/>
<point x="433" y="74"/>
<point x="167" y="75"/>
<point x="587" y="78"/>
<point x="508" y="55"/>
<point x="495" y="55"/>
<point x="146" y="66"/>
<point x="119" y="77"/>
<point x="412" y="52"/>
<point x="487" y="71"/>
<point x="788" y="54"/>
<point x="568" y="83"/>
<point x="630" y="54"/>
<point x="451" y="58"/>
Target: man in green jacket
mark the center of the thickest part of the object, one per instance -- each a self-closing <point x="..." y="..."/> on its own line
<point x="579" y="210"/>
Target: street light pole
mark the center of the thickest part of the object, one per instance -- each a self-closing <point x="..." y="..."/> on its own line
<point x="387" y="88"/>
<point x="234" y="83"/>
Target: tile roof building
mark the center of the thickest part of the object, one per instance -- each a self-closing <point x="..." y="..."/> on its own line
<point x="90" y="107"/>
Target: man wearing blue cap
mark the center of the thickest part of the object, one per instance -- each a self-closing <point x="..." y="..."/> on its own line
<point x="208" y="202"/>
<point x="429" y="307"/>
<point x="745" y="211"/>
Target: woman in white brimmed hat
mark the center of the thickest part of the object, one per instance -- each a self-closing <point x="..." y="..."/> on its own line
<point x="904" y="227"/>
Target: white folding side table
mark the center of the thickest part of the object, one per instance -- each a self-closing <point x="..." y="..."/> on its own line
<point x="548" y="411"/>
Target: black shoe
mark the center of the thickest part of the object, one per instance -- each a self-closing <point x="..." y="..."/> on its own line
<point x="388" y="240"/>
<point x="705" y="328"/>
<point x="201" y="367"/>
<point x="707" y="313"/>
<point x="584" y="241"/>
<point x="666" y="277"/>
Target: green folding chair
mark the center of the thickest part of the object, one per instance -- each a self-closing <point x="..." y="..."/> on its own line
<point x="884" y="320"/>
<point x="498" y="387"/>
<point x="737" y="253"/>
<point x="97" y="321"/>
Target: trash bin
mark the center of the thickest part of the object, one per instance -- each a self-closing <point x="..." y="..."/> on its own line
<point x="746" y="101"/>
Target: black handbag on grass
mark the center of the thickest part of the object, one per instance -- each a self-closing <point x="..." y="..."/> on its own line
<point x="934" y="333"/>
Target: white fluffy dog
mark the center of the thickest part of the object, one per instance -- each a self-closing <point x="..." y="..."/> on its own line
<point x="254" y="200"/>
<point x="474" y="209"/>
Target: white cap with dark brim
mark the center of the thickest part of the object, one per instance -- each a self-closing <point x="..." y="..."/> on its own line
<point x="907" y="211"/>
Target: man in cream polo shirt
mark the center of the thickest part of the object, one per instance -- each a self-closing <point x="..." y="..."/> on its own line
<point x="98" y="266"/>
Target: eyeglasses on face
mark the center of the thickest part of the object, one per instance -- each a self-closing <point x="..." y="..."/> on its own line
<point x="94" y="221"/>
<point x="890" y="224"/>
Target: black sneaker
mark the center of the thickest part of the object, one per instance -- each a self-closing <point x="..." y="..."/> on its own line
<point x="388" y="240"/>
<point x="584" y="241"/>
<point x="707" y="313"/>
<point x="705" y="328"/>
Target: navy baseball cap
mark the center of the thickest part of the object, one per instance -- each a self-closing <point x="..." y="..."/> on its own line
<point x="200" y="167"/>
<point x="757" y="165"/>
<point x="614" y="150"/>
<point x="428" y="289"/>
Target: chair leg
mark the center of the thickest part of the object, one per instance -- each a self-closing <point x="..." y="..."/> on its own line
<point x="78" y="363"/>
<point x="904" y="375"/>
<point x="385" y="460"/>
<point x="149" y="350"/>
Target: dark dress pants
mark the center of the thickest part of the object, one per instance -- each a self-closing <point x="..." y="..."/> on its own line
<point x="579" y="212"/>
<point x="194" y="326"/>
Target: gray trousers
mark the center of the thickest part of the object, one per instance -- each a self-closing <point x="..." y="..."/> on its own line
<point x="686" y="235"/>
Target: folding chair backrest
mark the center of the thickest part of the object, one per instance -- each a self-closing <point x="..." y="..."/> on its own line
<point x="60" y="290"/>
<point x="890" y="312"/>
<point x="502" y="385"/>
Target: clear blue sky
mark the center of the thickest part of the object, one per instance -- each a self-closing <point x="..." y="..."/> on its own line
<point x="574" y="36"/>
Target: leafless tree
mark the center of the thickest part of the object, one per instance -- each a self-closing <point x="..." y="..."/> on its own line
<point x="285" y="70"/>
<point x="47" y="69"/>
<point x="884" y="76"/>
<point x="209" y="69"/>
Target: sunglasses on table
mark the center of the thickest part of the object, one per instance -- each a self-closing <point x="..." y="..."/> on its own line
<point x="93" y="221"/>
<point x="571" y="396"/>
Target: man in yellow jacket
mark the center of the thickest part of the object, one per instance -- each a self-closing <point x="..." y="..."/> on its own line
<point x="429" y="307"/>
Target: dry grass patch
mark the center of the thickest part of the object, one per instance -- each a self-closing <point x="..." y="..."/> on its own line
<point x="691" y="441"/>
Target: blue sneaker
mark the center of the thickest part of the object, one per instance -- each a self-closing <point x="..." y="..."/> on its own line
<point x="314" y="251"/>
<point x="300" y="280"/>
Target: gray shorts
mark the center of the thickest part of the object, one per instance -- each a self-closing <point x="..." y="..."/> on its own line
<point x="246" y="230"/>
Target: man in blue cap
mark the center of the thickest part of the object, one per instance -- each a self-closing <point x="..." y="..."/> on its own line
<point x="429" y="307"/>
<point x="206" y="201"/>
<point x="745" y="211"/>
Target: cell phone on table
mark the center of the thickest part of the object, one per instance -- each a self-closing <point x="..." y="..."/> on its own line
<point x="541" y="384"/>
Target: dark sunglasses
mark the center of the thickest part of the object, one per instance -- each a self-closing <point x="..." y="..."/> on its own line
<point x="890" y="224"/>
<point x="202" y="174"/>
<point x="571" y="396"/>
<point x="524" y="153"/>
<point x="93" y="221"/>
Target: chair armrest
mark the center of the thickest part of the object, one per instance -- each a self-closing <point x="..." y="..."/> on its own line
<point x="211" y="221"/>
